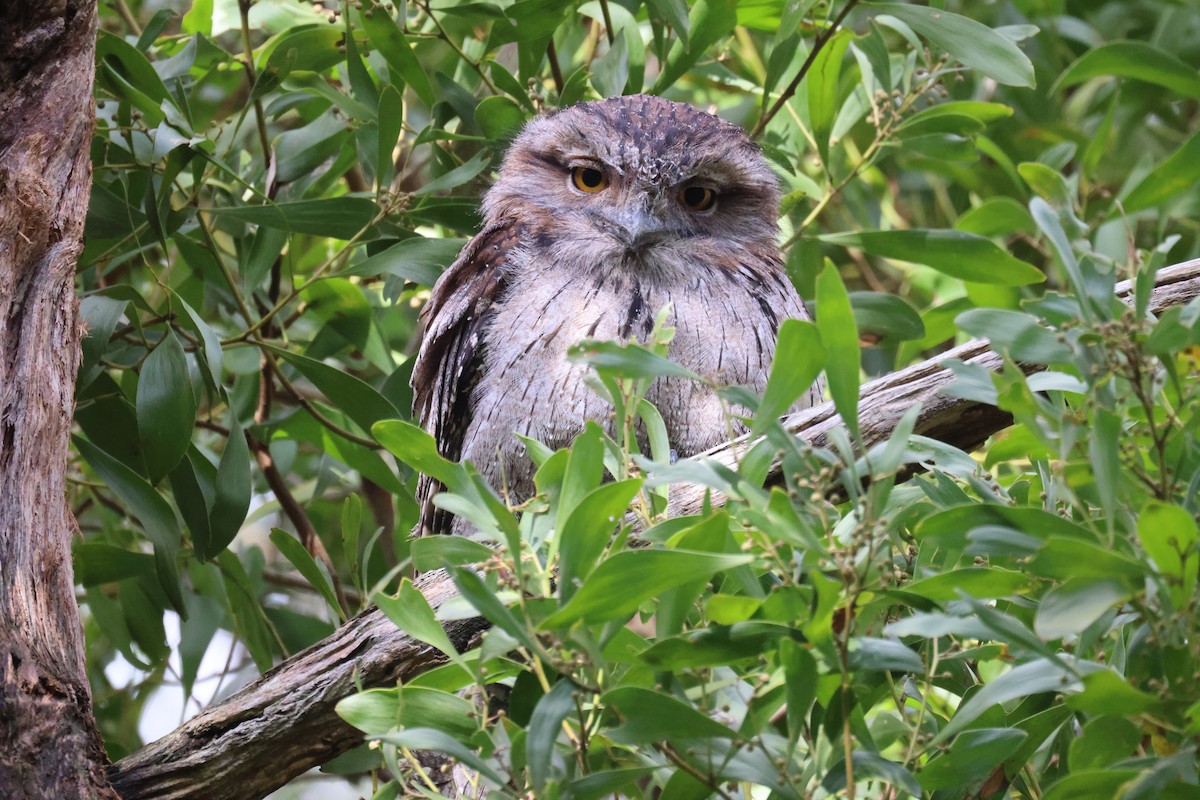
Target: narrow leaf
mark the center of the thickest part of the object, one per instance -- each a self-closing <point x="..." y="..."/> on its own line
<point x="166" y="407"/>
<point x="956" y="253"/>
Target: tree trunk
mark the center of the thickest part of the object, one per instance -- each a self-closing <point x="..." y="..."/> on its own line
<point x="49" y="745"/>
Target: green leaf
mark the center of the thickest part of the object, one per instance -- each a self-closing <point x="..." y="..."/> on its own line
<point x="708" y="22"/>
<point x="730" y="609"/>
<point x="870" y="765"/>
<point x="716" y="645"/>
<point x="192" y="499"/>
<point x="800" y="680"/>
<point x="166" y="407"/>
<point x="884" y="654"/>
<point x="1104" y="741"/>
<point x="1137" y="60"/>
<point x="839" y="336"/>
<point x="390" y="41"/>
<point x="974" y="581"/>
<point x="249" y="622"/>
<point x="1179" y="173"/>
<point x="1063" y="559"/>
<point x="1049" y="222"/>
<point x="499" y="118"/>
<point x="955" y="253"/>
<point x="391" y="124"/>
<point x="232" y="487"/>
<point x="1169" y="535"/>
<point x="799" y="358"/>
<point x="1107" y="782"/>
<point x="1104" y="454"/>
<point x="971" y="42"/>
<point x="588" y="530"/>
<point x="97" y="563"/>
<point x="1069" y="609"/>
<point x="608" y="783"/>
<point x="584" y="468"/>
<point x="213" y="357"/>
<point x="306" y="47"/>
<point x="971" y="759"/>
<point x="886" y="315"/>
<point x="340" y="306"/>
<point x="441" y="552"/>
<point x="823" y="88"/>
<point x="1016" y="334"/>
<point x="376" y="712"/>
<point x="457" y="176"/>
<point x="997" y="216"/>
<point x="610" y="72"/>
<point x="622" y="582"/>
<point x="1046" y="182"/>
<point x="336" y="217"/>
<point x="419" y="260"/>
<point x="306" y="565"/>
<point x="649" y="716"/>
<point x="544" y="727"/>
<point x="355" y="398"/>
<point x="198" y="19"/>
<point x="1033" y="677"/>
<point x="952" y="527"/>
<point x="128" y="67"/>
<point x="1105" y="692"/>
<point x="489" y="605"/>
<point x="508" y="83"/>
<point x="157" y="518"/>
<point x="927" y="120"/>
<point x="630" y="360"/>
<point x="100" y="316"/>
<point x="675" y="14"/>
<point x="411" y="612"/>
<point x="414" y="446"/>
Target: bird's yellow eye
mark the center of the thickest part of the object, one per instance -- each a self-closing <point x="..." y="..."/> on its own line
<point x="698" y="198"/>
<point x="587" y="179"/>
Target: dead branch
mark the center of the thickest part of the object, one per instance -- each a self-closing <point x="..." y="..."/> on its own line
<point x="284" y="723"/>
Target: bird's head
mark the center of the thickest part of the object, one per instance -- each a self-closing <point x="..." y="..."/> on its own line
<point x="640" y="178"/>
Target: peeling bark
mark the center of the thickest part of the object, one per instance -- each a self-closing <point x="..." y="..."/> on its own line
<point x="284" y="723"/>
<point x="49" y="745"/>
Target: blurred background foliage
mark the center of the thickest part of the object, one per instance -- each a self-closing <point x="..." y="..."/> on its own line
<point x="278" y="184"/>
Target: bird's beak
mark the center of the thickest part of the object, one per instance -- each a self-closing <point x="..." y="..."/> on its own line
<point x="636" y="227"/>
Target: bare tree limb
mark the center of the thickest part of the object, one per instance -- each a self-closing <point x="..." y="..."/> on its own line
<point x="284" y="723"/>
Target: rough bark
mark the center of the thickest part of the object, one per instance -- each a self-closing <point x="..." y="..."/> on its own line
<point x="49" y="745"/>
<point x="284" y="723"/>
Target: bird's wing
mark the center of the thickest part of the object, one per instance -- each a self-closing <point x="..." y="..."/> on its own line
<point x="448" y="363"/>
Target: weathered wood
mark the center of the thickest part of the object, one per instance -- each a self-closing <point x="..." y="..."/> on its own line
<point x="49" y="745"/>
<point x="284" y="723"/>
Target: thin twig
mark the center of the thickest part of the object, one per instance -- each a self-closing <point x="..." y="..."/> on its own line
<point x="458" y="51"/>
<point x="608" y="26"/>
<point x="259" y="116"/>
<point x="820" y="43"/>
<point x="305" y="530"/>
<point x="127" y="16"/>
<point x="290" y="581"/>
<point x="555" y="69"/>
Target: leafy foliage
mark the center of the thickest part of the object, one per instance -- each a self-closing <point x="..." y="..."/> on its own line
<point x="277" y="185"/>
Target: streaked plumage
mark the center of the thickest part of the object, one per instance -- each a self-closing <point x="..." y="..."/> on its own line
<point x="559" y="260"/>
